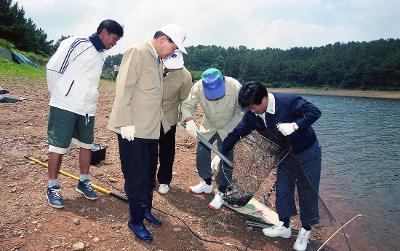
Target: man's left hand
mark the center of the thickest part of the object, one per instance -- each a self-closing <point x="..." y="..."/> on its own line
<point x="287" y="128"/>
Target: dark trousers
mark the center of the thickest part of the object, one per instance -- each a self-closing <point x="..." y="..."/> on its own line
<point x="203" y="164"/>
<point x="306" y="176"/>
<point x="166" y="155"/>
<point x="138" y="164"/>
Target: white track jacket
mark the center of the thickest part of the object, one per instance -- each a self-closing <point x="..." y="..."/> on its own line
<point x="73" y="75"/>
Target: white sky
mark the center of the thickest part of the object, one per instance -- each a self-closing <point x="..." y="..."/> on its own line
<point x="254" y="23"/>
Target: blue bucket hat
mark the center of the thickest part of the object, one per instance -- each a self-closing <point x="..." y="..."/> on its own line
<point x="213" y="83"/>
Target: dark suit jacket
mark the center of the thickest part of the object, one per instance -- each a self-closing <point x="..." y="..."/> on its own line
<point x="288" y="108"/>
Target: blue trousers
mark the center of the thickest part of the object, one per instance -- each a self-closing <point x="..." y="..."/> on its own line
<point x="305" y="177"/>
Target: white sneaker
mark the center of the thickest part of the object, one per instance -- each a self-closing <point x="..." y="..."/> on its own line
<point x="202" y="187"/>
<point x="302" y="240"/>
<point x="278" y="231"/>
<point x="217" y="202"/>
<point x="163" y="189"/>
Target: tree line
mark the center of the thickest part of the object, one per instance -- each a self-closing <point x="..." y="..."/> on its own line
<point x="373" y="65"/>
<point x="22" y="32"/>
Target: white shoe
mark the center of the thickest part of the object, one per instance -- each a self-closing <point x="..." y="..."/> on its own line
<point x="302" y="240"/>
<point x="217" y="202"/>
<point x="163" y="189"/>
<point x="202" y="187"/>
<point x="278" y="231"/>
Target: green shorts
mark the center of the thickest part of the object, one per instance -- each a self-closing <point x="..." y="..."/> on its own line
<point x="65" y="127"/>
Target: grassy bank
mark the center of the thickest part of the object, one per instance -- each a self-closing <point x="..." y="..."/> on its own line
<point x="8" y="68"/>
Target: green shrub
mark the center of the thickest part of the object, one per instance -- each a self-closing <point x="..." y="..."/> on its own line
<point x="5" y="44"/>
<point x="196" y="75"/>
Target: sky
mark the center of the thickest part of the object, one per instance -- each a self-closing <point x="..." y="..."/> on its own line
<point x="255" y="24"/>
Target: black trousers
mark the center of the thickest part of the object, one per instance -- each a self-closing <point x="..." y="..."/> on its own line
<point x="166" y="155"/>
<point x="138" y="164"/>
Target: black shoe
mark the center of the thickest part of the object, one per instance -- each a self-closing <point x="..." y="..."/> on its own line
<point x="151" y="218"/>
<point x="54" y="197"/>
<point x="85" y="188"/>
<point x="140" y="231"/>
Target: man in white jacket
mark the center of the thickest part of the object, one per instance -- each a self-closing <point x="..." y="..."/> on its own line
<point x="73" y="75"/>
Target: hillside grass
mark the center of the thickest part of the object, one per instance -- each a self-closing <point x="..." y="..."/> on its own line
<point x="8" y="68"/>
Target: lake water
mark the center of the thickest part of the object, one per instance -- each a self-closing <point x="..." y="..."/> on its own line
<point x="360" y="139"/>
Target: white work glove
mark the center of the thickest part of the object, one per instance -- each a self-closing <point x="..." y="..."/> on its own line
<point x="191" y="128"/>
<point x="128" y="132"/>
<point x="287" y="128"/>
<point x="215" y="163"/>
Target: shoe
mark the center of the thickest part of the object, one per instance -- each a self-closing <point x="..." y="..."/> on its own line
<point x="278" y="231"/>
<point x="85" y="188"/>
<point x="140" y="231"/>
<point x="54" y="197"/>
<point x="202" y="187"/>
<point x="151" y="218"/>
<point x="163" y="189"/>
<point x="217" y="202"/>
<point x="302" y="240"/>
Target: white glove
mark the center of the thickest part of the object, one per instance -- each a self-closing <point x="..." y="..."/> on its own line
<point x="287" y="128"/>
<point x="191" y="128"/>
<point x="128" y="132"/>
<point x="215" y="163"/>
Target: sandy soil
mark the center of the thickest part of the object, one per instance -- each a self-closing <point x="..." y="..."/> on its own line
<point x="27" y="222"/>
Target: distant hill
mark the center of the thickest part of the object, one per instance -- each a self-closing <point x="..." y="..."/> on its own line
<point x="373" y="65"/>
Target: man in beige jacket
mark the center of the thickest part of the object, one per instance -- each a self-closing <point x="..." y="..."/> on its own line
<point x="218" y="96"/>
<point x="177" y="82"/>
<point x="136" y="116"/>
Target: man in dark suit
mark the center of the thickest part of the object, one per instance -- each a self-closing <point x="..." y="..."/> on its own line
<point x="293" y="117"/>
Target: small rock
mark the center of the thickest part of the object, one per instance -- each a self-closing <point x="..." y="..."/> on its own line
<point x="95" y="239"/>
<point x="177" y="229"/>
<point x="112" y="180"/>
<point x="44" y="157"/>
<point x="13" y="190"/>
<point x="78" y="246"/>
<point x="82" y="210"/>
<point x="76" y="221"/>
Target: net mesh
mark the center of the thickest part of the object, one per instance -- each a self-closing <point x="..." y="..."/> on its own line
<point x="255" y="161"/>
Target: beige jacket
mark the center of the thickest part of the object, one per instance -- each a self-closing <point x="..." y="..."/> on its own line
<point x="220" y="116"/>
<point x="177" y="85"/>
<point x="138" y="96"/>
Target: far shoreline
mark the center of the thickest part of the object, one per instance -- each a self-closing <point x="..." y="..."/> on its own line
<point x="346" y="93"/>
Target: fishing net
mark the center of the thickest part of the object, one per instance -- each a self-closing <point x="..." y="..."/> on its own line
<point x="255" y="161"/>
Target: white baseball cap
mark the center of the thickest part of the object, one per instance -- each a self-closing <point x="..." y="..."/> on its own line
<point x="176" y="33"/>
<point x="174" y="61"/>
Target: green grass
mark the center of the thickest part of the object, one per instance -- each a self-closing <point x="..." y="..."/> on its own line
<point x="14" y="69"/>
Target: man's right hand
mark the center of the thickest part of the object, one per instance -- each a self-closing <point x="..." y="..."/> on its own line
<point x="191" y="128"/>
<point x="128" y="132"/>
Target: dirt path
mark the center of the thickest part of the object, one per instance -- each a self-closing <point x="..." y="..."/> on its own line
<point x="28" y="223"/>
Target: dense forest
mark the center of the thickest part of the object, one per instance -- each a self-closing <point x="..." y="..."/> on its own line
<point x="373" y="65"/>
